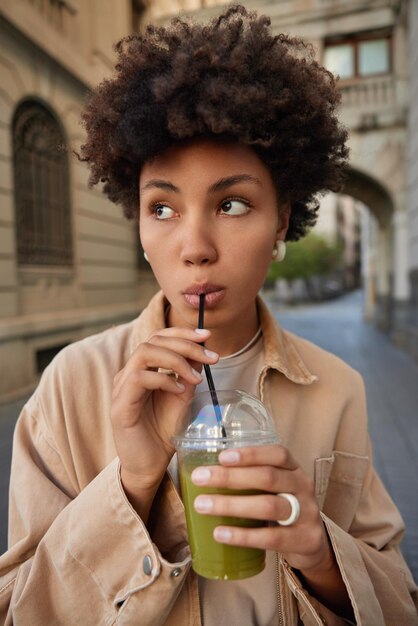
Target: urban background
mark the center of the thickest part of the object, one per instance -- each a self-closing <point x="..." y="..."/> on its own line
<point x="71" y="265"/>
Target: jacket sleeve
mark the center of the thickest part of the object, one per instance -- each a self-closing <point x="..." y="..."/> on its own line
<point x="83" y="558"/>
<point x="365" y="530"/>
<point x="378" y="582"/>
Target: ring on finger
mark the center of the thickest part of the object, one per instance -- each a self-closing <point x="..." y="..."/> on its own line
<point x="295" y="509"/>
<point x="169" y="373"/>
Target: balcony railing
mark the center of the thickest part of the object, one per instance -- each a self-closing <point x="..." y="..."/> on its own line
<point x="374" y="93"/>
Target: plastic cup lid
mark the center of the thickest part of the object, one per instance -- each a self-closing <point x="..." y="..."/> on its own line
<point x="245" y="421"/>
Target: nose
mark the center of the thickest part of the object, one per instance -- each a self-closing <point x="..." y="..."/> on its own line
<point x="198" y="245"/>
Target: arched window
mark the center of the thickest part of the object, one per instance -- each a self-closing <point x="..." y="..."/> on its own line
<point x="41" y="182"/>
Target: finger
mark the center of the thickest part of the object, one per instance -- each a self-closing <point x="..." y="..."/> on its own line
<point x="275" y="455"/>
<point x="134" y="378"/>
<point x="134" y="391"/>
<point x="117" y="378"/>
<point x="262" y="507"/>
<point x="197" y="335"/>
<point x="190" y="350"/>
<point x="153" y="357"/>
<point x="265" y="538"/>
<point x="301" y="540"/>
<point x="265" y="479"/>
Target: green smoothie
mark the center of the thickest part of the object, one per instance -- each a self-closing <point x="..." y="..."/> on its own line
<point x="210" y="558"/>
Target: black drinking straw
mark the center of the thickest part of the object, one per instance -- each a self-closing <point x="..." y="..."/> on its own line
<point x="208" y="373"/>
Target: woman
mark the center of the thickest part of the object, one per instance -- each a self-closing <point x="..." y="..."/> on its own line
<point x="223" y="136"/>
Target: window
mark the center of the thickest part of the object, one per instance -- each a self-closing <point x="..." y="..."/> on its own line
<point x="373" y="57"/>
<point x="56" y="12"/>
<point x="41" y="182"/>
<point x="359" y="56"/>
<point x="339" y="60"/>
<point x="139" y="8"/>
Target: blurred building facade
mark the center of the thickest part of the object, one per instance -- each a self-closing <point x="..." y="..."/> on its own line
<point x="339" y="221"/>
<point x="409" y="323"/>
<point x="70" y="264"/>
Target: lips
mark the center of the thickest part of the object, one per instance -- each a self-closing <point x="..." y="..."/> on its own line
<point x="214" y="294"/>
<point x="202" y="288"/>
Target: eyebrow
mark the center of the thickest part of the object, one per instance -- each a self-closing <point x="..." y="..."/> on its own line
<point x="159" y="184"/>
<point x="219" y="185"/>
<point x="228" y="181"/>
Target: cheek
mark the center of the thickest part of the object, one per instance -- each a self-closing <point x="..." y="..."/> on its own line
<point x="251" y="256"/>
<point x="151" y="240"/>
<point x="259" y="244"/>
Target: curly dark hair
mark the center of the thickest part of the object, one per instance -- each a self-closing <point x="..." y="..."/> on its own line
<point x="229" y="78"/>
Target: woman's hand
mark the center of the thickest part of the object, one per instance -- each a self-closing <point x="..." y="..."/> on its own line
<point x="304" y="544"/>
<point x="273" y="470"/>
<point x="148" y="405"/>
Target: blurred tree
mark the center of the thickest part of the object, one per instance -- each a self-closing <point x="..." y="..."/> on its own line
<point x="312" y="256"/>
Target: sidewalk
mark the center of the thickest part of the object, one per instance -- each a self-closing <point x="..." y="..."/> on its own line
<point x="8" y="416"/>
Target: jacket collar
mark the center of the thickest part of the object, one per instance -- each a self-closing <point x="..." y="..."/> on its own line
<point x="279" y="352"/>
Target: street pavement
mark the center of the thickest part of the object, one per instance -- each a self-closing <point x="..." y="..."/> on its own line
<point x="8" y="416"/>
<point x="391" y="379"/>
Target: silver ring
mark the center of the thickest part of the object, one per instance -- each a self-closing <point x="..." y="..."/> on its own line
<point x="294" y="513"/>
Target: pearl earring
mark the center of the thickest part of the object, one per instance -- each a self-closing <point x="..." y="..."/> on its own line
<point x="146" y="257"/>
<point x="279" y="251"/>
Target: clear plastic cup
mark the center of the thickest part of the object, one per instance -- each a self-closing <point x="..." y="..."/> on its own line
<point x="245" y="422"/>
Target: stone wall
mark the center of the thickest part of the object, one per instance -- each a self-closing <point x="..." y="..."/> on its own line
<point x="43" y="308"/>
<point x="408" y="317"/>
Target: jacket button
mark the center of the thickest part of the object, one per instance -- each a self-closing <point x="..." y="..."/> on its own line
<point x="176" y="572"/>
<point x="147" y="565"/>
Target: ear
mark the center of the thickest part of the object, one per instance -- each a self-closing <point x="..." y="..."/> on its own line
<point x="283" y="222"/>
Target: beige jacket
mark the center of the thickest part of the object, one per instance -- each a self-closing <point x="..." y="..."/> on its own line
<point x="79" y="554"/>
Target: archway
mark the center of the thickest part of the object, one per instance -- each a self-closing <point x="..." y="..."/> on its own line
<point x="378" y="274"/>
<point x="372" y="193"/>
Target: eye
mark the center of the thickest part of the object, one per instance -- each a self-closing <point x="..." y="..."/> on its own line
<point x="163" y="212"/>
<point x="234" y="207"/>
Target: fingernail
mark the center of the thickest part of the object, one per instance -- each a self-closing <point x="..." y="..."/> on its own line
<point x="196" y="374"/>
<point x="211" y="355"/>
<point x="203" y="504"/>
<point x="222" y="534"/>
<point x="180" y="386"/>
<point x="200" y="476"/>
<point x="229" y="456"/>
<point x="201" y="331"/>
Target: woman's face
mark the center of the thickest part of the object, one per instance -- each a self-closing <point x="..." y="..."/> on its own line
<point x="209" y="219"/>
